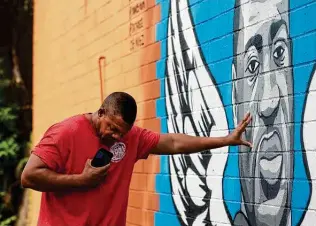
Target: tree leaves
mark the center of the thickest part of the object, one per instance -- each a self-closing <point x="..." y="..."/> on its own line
<point x="9" y="148"/>
<point x="16" y="22"/>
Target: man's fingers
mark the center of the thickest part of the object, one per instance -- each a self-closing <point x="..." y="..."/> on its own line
<point x="246" y="143"/>
<point x="246" y="122"/>
<point x="242" y="127"/>
<point x="105" y="168"/>
<point x="88" y="162"/>
<point x="245" y="119"/>
<point x="242" y="121"/>
<point x="249" y="118"/>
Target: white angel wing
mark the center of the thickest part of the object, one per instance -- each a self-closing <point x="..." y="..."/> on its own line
<point x="309" y="128"/>
<point x="194" y="107"/>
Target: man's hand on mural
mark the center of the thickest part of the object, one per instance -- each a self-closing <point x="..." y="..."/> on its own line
<point x="234" y="138"/>
<point x="177" y="143"/>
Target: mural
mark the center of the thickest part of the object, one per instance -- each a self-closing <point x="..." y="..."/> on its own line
<point x="264" y="86"/>
<point x="188" y="89"/>
<point x="270" y="184"/>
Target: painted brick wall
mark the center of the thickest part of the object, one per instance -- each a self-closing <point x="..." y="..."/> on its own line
<point x="70" y="39"/>
<point x="195" y="67"/>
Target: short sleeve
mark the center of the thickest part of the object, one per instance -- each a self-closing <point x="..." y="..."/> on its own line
<point x="147" y="141"/>
<point x="52" y="147"/>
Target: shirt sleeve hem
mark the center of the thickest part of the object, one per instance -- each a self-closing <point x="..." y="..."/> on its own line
<point x="44" y="160"/>
<point x="146" y="154"/>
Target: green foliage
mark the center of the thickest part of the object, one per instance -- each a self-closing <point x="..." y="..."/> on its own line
<point x="8" y="137"/>
<point x="10" y="152"/>
<point x="7" y="117"/>
<point x="9" y="148"/>
<point x="8" y="222"/>
<point x="12" y="161"/>
<point x="16" y="21"/>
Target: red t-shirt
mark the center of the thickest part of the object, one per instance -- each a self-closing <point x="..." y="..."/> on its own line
<point x="65" y="147"/>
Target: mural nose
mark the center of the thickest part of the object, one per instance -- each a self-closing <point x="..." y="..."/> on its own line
<point x="270" y="99"/>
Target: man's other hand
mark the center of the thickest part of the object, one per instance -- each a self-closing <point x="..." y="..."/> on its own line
<point x="234" y="138"/>
<point x="93" y="176"/>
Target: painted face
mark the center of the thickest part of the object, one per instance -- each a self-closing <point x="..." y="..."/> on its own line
<point x="112" y="128"/>
<point x="264" y="87"/>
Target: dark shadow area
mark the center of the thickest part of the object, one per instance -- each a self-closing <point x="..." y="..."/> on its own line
<point x="16" y="24"/>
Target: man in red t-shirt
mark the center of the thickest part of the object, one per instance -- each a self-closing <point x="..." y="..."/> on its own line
<point x="76" y="193"/>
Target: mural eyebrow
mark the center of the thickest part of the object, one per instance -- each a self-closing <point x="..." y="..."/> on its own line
<point x="255" y="41"/>
<point x="275" y="26"/>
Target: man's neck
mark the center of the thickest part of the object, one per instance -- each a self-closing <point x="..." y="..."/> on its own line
<point x="92" y="117"/>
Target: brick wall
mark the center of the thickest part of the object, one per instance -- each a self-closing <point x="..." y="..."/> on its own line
<point x="194" y="67"/>
<point x="70" y="40"/>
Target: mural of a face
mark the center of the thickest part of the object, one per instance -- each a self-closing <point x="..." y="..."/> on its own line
<point x="264" y="82"/>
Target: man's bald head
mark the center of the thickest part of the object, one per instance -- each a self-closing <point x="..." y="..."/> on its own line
<point x="121" y="104"/>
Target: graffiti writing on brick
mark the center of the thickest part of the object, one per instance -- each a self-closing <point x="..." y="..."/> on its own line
<point x="137" y="41"/>
<point x="136" y="26"/>
<point x="137" y="8"/>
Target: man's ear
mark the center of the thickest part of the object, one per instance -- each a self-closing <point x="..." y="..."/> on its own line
<point x="234" y="94"/>
<point x="101" y="112"/>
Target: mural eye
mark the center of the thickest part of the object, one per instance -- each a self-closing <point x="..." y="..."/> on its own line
<point x="253" y="66"/>
<point x="278" y="53"/>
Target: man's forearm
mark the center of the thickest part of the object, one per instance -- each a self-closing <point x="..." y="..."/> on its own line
<point x="185" y="144"/>
<point x="45" y="180"/>
<point x="176" y="143"/>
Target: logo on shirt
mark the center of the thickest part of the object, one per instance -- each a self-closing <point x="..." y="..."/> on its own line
<point x="118" y="151"/>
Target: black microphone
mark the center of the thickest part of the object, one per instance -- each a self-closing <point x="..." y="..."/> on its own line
<point x="101" y="158"/>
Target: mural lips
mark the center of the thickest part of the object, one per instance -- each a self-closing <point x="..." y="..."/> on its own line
<point x="270" y="162"/>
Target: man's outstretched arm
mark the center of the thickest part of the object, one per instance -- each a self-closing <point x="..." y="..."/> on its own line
<point x="176" y="143"/>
